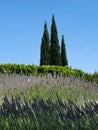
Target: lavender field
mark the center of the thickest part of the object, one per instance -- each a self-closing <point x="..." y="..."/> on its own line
<point x="47" y="102"/>
<point x="48" y="87"/>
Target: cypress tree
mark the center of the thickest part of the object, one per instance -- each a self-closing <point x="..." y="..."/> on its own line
<point x="64" y="60"/>
<point x="45" y="48"/>
<point x="55" y="58"/>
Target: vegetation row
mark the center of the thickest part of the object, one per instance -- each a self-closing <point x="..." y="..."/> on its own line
<point x="42" y="70"/>
<point x="46" y="115"/>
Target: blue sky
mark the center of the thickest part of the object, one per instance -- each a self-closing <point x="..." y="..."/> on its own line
<point x="21" y="30"/>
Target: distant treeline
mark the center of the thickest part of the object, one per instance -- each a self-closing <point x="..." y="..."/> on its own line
<point x="43" y="70"/>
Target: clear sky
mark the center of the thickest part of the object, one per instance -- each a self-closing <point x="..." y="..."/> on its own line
<point x="21" y="30"/>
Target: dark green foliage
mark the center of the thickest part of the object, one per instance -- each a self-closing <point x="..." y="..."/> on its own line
<point x="50" y="54"/>
<point x="64" y="60"/>
<point x="55" y="48"/>
<point x="45" y="49"/>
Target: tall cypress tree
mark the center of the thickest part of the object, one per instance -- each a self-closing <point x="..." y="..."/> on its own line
<point x="64" y="60"/>
<point x="55" y="58"/>
<point x="45" y="48"/>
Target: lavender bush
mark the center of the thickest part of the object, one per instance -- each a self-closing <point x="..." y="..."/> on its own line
<point x="48" y="86"/>
<point x="46" y="115"/>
